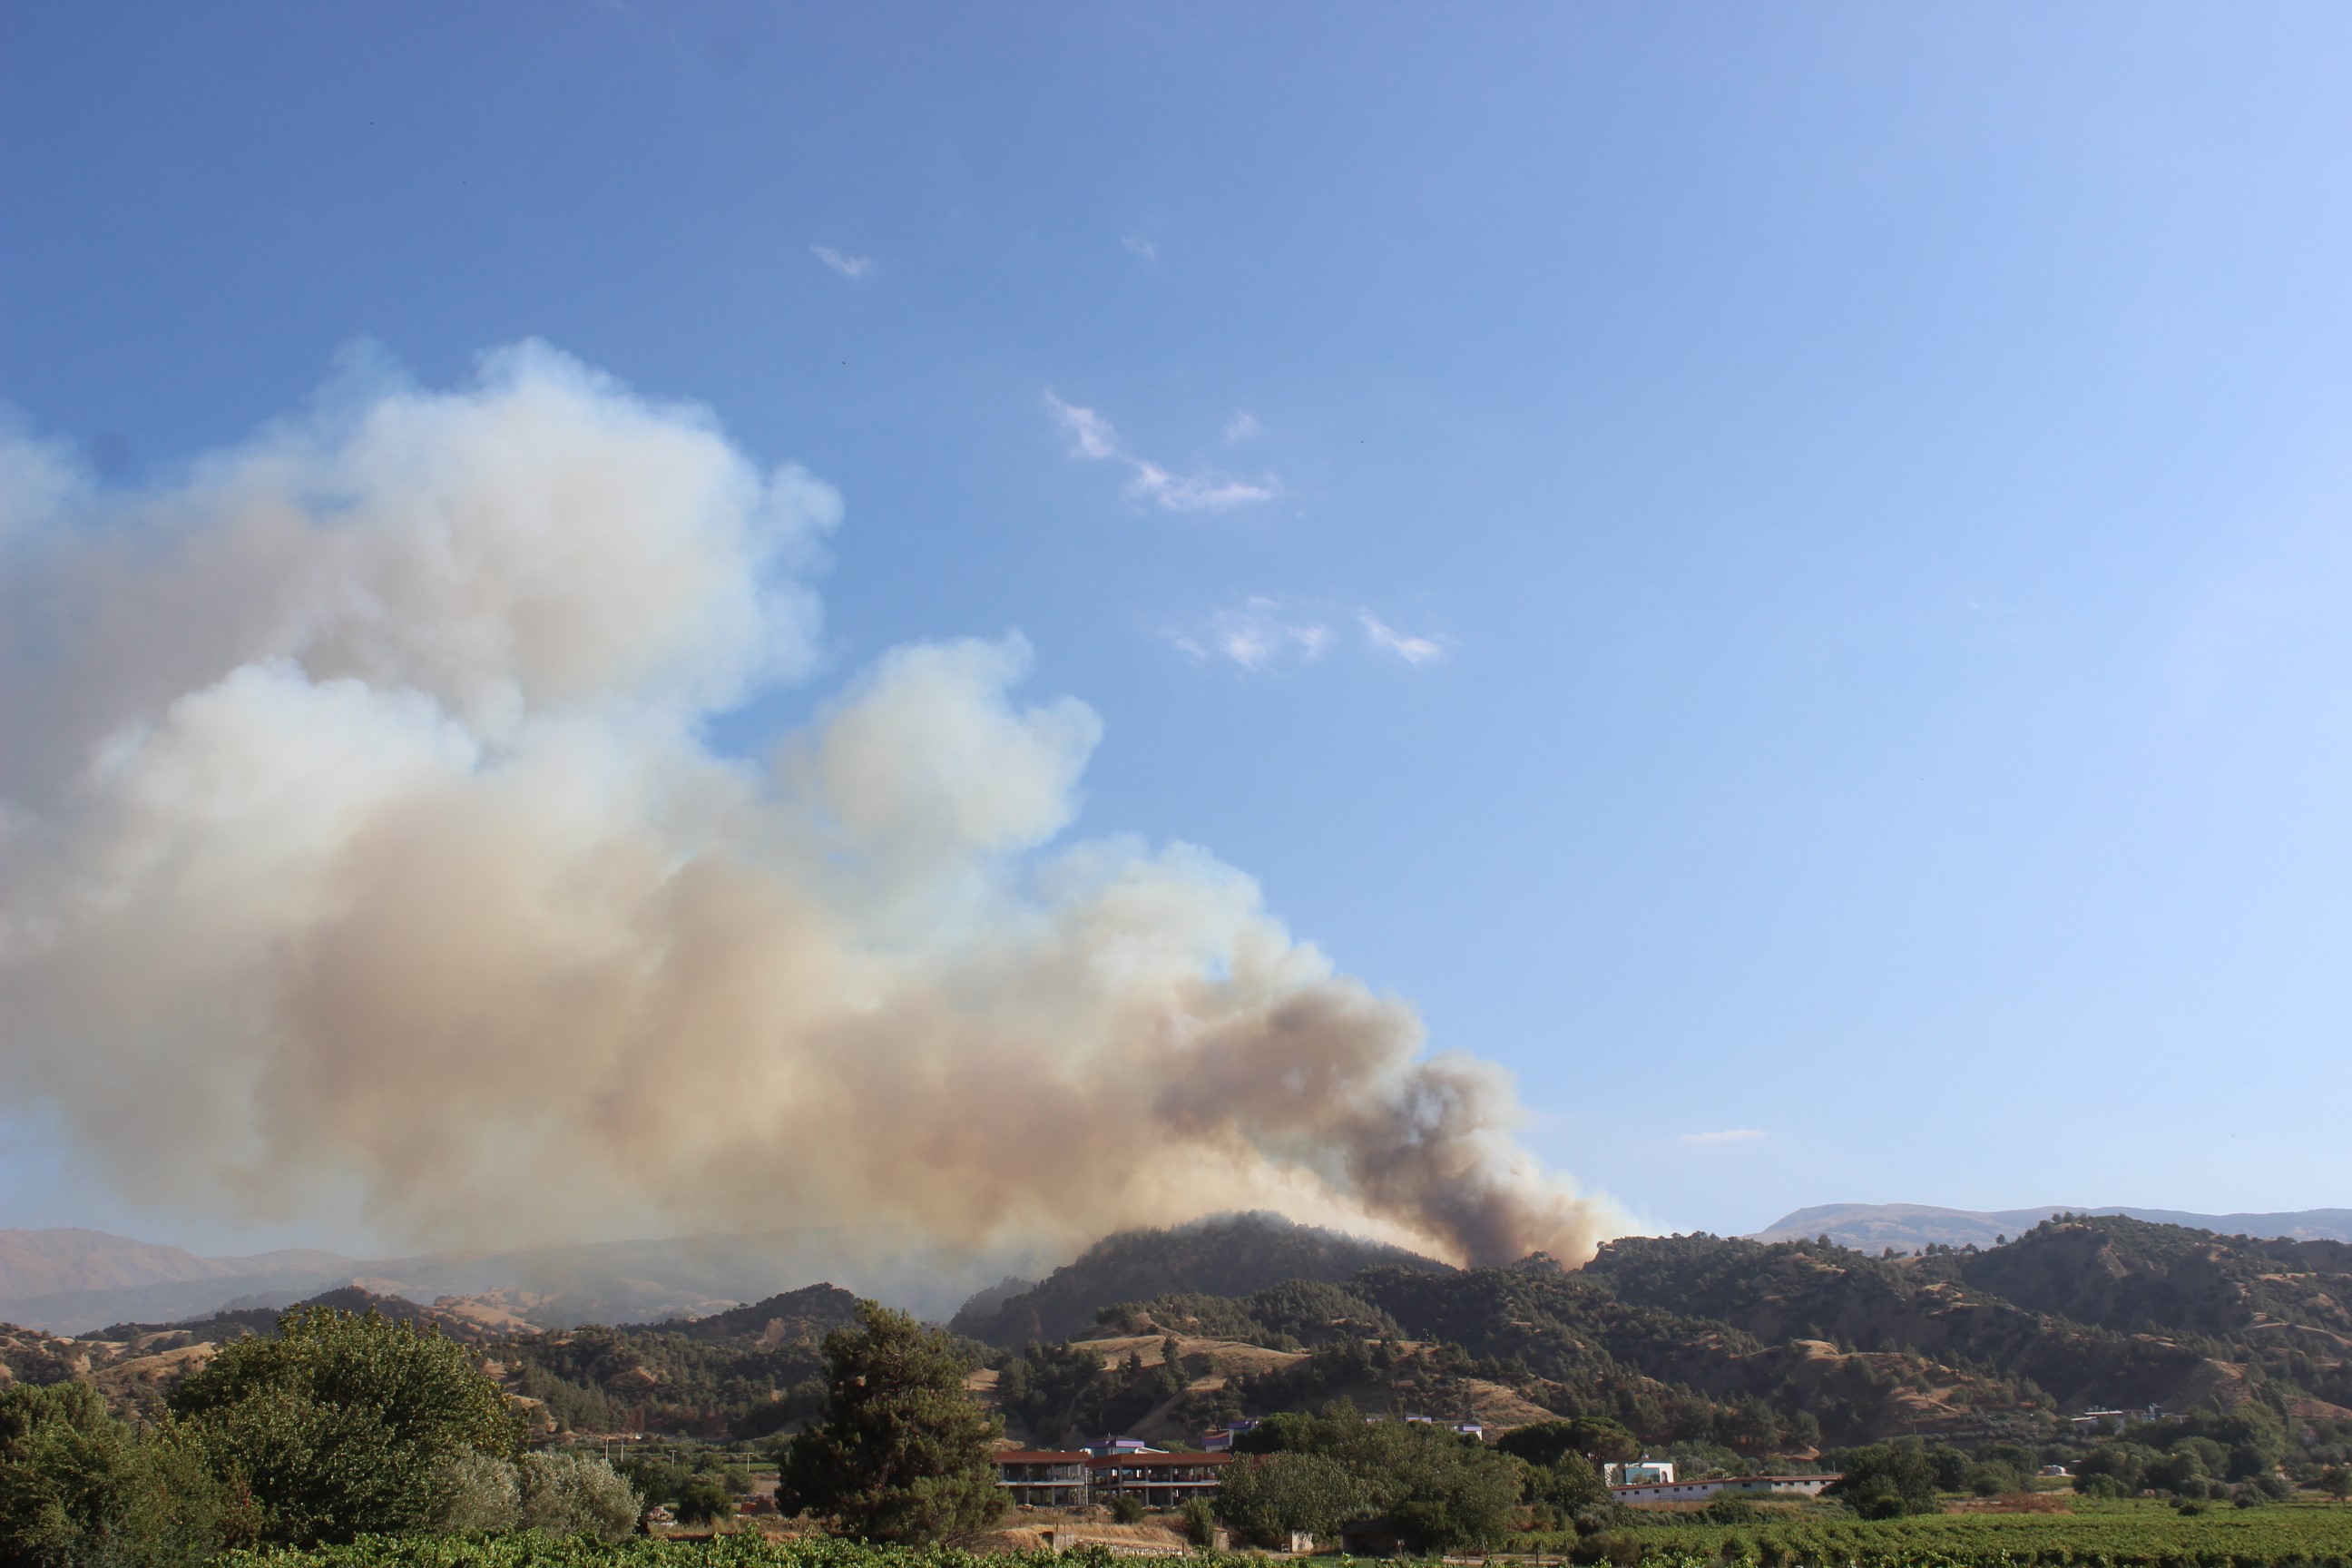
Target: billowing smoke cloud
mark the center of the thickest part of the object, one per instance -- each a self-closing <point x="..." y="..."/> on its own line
<point x="358" y="845"/>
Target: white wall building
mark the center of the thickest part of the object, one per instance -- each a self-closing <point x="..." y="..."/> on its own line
<point x="1736" y="1485"/>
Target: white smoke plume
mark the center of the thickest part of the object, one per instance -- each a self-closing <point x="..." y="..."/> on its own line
<point x="358" y="845"/>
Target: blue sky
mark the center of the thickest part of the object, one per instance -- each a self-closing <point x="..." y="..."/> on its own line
<point x="1788" y="563"/>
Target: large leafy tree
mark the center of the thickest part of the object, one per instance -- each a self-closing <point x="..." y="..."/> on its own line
<point x="343" y="1424"/>
<point x="1564" y="1478"/>
<point x="1443" y="1491"/>
<point x="1885" y="1482"/>
<point x="899" y="1452"/>
<point x="1266" y="1496"/>
<point x="81" y="1489"/>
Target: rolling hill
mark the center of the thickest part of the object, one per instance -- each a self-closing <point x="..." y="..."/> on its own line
<point x="1225" y="1255"/>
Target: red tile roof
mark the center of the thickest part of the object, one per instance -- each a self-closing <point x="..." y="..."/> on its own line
<point x="1110" y="1459"/>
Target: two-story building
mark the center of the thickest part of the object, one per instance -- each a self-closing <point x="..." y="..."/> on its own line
<point x="1053" y="1478"/>
<point x="1044" y="1477"/>
<point x="1161" y="1480"/>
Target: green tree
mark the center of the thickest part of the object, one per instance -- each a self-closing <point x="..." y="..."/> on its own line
<point x="478" y="1494"/>
<point x="1566" y="1488"/>
<point x="1885" y="1482"/>
<point x="1267" y="1495"/>
<point x="81" y="1489"/>
<point x="577" y="1494"/>
<point x="898" y="1452"/>
<point x="342" y="1423"/>
<point x="1442" y="1490"/>
<point x="2336" y="1482"/>
<point x="703" y="1498"/>
<point x="1593" y="1437"/>
<point x="1127" y="1508"/>
<point x="656" y="1476"/>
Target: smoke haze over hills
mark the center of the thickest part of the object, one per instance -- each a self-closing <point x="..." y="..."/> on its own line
<point x="361" y="852"/>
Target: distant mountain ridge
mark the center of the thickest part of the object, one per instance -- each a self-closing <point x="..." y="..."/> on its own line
<point x="65" y="1259"/>
<point x="69" y="1282"/>
<point x="1908" y="1228"/>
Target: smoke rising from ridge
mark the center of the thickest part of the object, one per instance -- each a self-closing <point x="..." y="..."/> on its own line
<point x="358" y="845"/>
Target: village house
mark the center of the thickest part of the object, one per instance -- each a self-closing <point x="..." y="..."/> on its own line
<point x="1638" y="1472"/>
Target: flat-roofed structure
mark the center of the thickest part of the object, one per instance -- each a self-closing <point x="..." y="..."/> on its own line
<point x="1161" y="1481"/>
<point x="1044" y="1477"/>
<point x="1655" y="1492"/>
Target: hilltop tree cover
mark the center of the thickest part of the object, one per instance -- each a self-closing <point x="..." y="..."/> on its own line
<point x="1731" y="1353"/>
<point x="340" y="1425"/>
<point x="899" y="1451"/>
<point x="1227" y="1256"/>
<point x="1291" y="1316"/>
<point x="741" y="1374"/>
<point x="597" y="1379"/>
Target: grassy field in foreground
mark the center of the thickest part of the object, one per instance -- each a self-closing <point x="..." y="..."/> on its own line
<point x="2293" y="1535"/>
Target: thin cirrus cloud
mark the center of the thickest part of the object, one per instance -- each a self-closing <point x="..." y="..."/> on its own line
<point x="1729" y="1135"/>
<point x="851" y="266"/>
<point x="1260" y="634"/>
<point x="1243" y="426"/>
<point x="1414" y="650"/>
<point x="1139" y="246"/>
<point x="1092" y="439"/>
<point x="1265" y="633"/>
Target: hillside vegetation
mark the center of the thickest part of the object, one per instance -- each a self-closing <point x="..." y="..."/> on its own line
<point x="1736" y="1353"/>
<point x="1739" y="1349"/>
<point x="1228" y="1255"/>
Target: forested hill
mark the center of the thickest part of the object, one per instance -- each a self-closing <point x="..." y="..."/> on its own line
<point x="1779" y="1349"/>
<point x="1721" y="1348"/>
<point x="1229" y="1255"/>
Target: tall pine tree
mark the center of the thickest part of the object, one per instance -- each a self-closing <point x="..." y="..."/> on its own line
<point x="899" y="1452"/>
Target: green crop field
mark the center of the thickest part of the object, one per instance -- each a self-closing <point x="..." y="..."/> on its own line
<point x="2115" y="1535"/>
<point x="2292" y="1535"/>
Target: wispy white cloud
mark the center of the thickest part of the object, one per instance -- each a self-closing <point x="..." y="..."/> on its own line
<point x="1142" y="247"/>
<point x="1261" y="634"/>
<point x="1242" y="427"/>
<point x="1414" y="650"/>
<point x="1197" y="492"/>
<point x="1729" y="1135"/>
<point x="847" y="266"/>
<point x="1093" y="440"/>
<point x="1091" y="435"/>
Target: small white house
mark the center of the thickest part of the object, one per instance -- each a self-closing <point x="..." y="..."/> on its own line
<point x="1642" y="1473"/>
